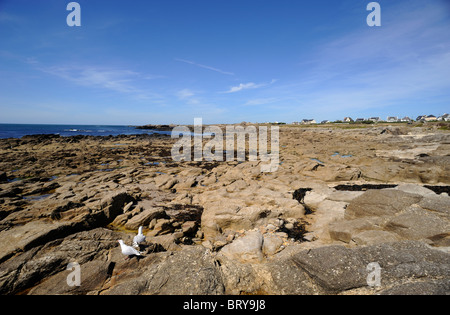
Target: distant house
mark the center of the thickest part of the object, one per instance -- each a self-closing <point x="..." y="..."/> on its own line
<point x="426" y="118"/>
<point x="325" y="122"/>
<point x="421" y="118"/>
<point x="348" y="119"/>
<point x="296" y="123"/>
<point x="360" y="120"/>
<point x="444" y="117"/>
<point x="374" y="119"/>
<point x="392" y="119"/>
<point x="430" y="118"/>
<point x="405" y="119"/>
<point x="308" y="121"/>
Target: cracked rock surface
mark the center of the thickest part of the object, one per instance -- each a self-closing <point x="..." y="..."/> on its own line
<point x="340" y="200"/>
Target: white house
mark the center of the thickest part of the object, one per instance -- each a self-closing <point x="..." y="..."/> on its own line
<point x="445" y="117"/>
<point x="308" y="121"/>
<point x="348" y="119"/>
<point x="392" y="119"/>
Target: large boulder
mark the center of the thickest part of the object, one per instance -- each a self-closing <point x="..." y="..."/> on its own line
<point x="415" y="189"/>
<point x="334" y="268"/>
<point x="288" y="278"/>
<point x="191" y="271"/>
<point x="49" y="262"/>
<point x="272" y="244"/>
<point x="245" y="249"/>
<point x="145" y="217"/>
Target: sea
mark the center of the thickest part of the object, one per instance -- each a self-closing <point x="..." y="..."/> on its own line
<point x="20" y="130"/>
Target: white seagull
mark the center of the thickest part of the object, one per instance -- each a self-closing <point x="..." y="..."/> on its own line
<point x="139" y="238"/>
<point x="128" y="250"/>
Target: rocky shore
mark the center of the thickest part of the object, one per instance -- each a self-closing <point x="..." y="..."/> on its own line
<point x="340" y="200"/>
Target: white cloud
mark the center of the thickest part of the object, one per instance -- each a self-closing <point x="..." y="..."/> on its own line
<point x="243" y="86"/>
<point x="246" y="86"/>
<point x="188" y="96"/>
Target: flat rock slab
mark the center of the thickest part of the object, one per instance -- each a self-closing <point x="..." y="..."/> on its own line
<point x="92" y="276"/>
<point x="24" y="237"/>
<point x="438" y="203"/>
<point x="380" y="203"/>
<point x="436" y="287"/>
<point x="145" y="217"/>
<point x="337" y="268"/>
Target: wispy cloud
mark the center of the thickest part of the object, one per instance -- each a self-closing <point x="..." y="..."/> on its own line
<point x="204" y="66"/>
<point x="189" y="97"/>
<point x="246" y="86"/>
<point x="117" y="80"/>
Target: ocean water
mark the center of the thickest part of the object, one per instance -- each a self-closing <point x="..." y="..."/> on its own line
<point x="20" y="130"/>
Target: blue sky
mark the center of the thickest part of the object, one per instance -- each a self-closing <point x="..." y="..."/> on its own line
<point x="141" y="62"/>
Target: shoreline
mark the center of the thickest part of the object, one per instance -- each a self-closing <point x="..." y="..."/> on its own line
<point x="163" y="129"/>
